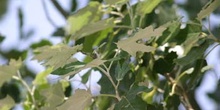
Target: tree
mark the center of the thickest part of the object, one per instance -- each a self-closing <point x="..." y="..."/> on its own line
<point x="124" y="42"/>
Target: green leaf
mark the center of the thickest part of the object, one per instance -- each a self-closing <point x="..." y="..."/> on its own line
<point x="7" y="71"/>
<point x="95" y="27"/>
<point x="7" y="103"/>
<point x="131" y="46"/>
<point x="166" y="64"/>
<point x="93" y="63"/>
<point x="83" y="17"/>
<point x="41" y="78"/>
<point x="208" y="9"/>
<point x="73" y="66"/>
<point x="171" y="32"/>
<point x="191" y="41"/>
<point x="117" y="2"/>
<point x="195" y="53"/>
<point x="121" y="70"/>
<point x="95" y="39"/>
<point x="146" y="6"/>
<point x="41" y="44"/>
<point x="56" y="56"/>
<point x="54" y="96"/>
<point x="86" y="76"/>
<point x="1" y="38"/>
<point x="79" y="101"/>
<point x="132" y="100"/>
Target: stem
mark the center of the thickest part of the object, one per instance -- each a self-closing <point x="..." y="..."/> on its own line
<point x="108" y="95"/>
<point x="130" y="12"/>
<point x="202" y="26"/>
<point x="122" y="26"/>
<point x="211" y="50"/>
<point x="30" y="91"/>
<point x="177" y="87"/>
<point x="47" y="14"/>
<point x="59" y="8"/>
<point x="111" y="80"/>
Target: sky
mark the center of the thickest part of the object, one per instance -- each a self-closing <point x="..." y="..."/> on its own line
<point x="34" y="16"/>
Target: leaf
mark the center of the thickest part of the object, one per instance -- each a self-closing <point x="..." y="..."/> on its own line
<point x="129" y="45"/>
<point x="208" y="9"/>
<point x="132" y="100"/>
<point x="95" y="27"/>
<point x="195" y="53"/>
<point x="117" y="2"/>
<point x="79" y="101"/>
<point x="93" y="63"/>
<point x="7" y="103"/>
<point x="41" y="77"/>
<point x="95" y="39"/>
<point x="166" y="64"/>
<point x="171" y="32"/>
<point x="41" y="44"/>
<point x="7" y="71"/>
<point x="56" y="56"/>
<point x="146" y="6"/>
<point x="54" y="96"/>
<point x="121" y="70"/>
<point x="73" y="66"/>
<point x="1" y="38"/>
<point x="83" y="17"/>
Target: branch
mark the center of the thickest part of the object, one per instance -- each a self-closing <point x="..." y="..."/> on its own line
<point x="59" y="8"/>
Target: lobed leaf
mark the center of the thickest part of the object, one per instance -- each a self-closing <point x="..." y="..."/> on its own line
<point x="208" y="9"/>
<point x="7" y="71"/>
<point x="78" y="101"/>
<point x="56" y="56"/>
<point x="131" y="46"/>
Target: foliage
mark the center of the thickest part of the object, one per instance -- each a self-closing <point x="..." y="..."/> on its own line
<point x="123" y="42"/>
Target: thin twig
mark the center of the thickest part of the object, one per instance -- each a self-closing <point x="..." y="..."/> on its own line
<point x="111" y="80"/>
<point x="130" y="12"/>
<point x="47" y="14"/>
<point x="59" y="8"/>
<point x="183" y="93"/>
<point x="30" y="91"/>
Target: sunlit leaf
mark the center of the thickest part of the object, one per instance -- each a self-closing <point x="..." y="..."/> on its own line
<point x="41" y="78"/>
<point x="7" y="71"/>
<point x="56" y="56"/>
<point x="95" y="39"/>
<point x="118" y="2"/>
<point x="79" y="101"/>
<point x="146" y="6"/>
<point x="6" y="103"/>
<point x="208" y="9"/>
<point x="95" y="27"/>
<point x="83" y="17"/>
<point x="131" y="46"/>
